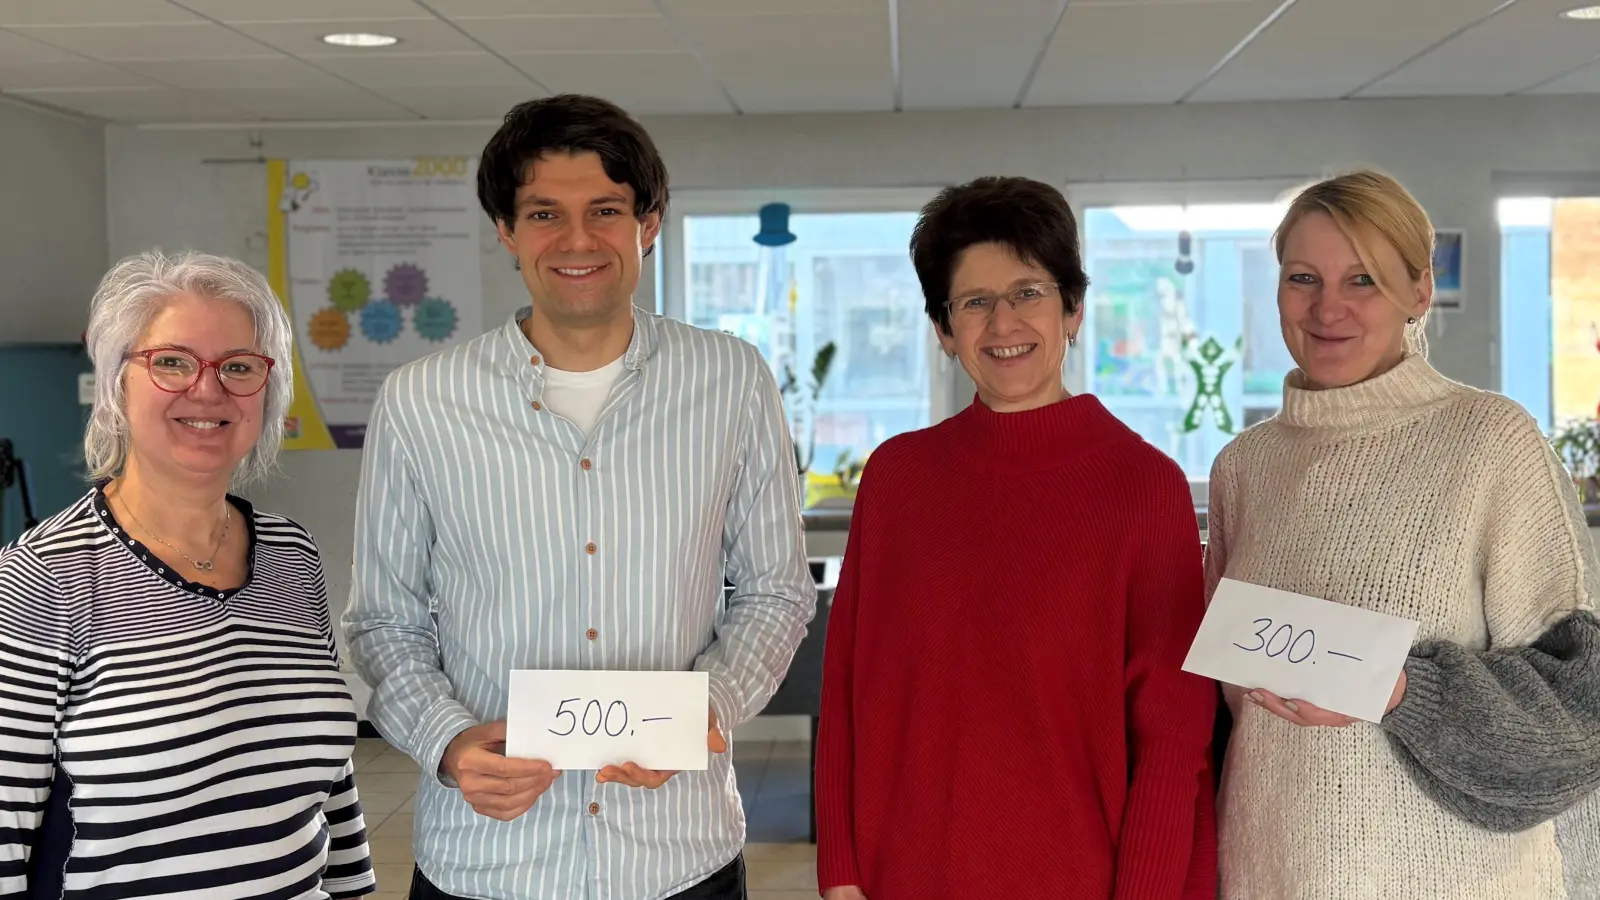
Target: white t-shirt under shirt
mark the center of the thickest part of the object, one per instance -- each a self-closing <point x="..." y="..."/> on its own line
<point x="579" y="397"/>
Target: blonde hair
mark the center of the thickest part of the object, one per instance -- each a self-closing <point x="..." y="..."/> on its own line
<point x="1369" y="206"/>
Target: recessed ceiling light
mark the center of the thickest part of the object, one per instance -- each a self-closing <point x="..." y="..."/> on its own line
<point x="1583" y="13"/>
<point x="360" y="39"/>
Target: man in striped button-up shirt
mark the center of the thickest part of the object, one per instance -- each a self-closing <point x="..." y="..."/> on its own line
<point x="566" y="492"/>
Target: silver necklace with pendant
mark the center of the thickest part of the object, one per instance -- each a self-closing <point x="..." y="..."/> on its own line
<point x="203" y="565"/>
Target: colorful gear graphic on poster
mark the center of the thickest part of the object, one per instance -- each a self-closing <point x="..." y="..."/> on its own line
<point x="435" y="320"/>
<point x="405" y="284"/>
<point x="381" y="321"/>
<point x="349" y="290"/>
<point x="329" y="329"/>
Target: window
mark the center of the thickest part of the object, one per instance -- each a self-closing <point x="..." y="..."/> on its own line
<point x="1165" y="316"/>
<point x="1550" y="306"/>
<point x="847" y="279"/>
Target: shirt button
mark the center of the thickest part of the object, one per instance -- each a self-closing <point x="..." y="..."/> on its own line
<point x="590" y="548"/>
<point x="536" y="406"/>
<point x="586" y="464"/>
<point x="591" y="634"/>
<point x="534" y="360"/>
<point x="594" y="809"/>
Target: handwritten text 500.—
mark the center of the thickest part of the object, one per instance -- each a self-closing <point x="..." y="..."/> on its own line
<point x="609" y="719"/>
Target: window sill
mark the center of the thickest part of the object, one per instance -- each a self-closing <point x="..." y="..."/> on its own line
<point x="833" y="520"/>
<point x="824" y="520"/>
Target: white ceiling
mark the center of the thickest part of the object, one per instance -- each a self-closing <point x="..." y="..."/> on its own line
<point x="147" y="61"/>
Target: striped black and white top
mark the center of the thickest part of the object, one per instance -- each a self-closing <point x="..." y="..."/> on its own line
<point x="164" y="739"/>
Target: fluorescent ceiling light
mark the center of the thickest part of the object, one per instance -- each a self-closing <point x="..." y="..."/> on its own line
<point x="1583" y="13"/>
<point x="360" y="39"/>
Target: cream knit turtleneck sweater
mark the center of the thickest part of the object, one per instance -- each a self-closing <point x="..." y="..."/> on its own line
<point x="1411" y="495"/>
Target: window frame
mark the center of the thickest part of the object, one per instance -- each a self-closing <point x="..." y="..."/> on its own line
<point x="1182" y="191"/>
<point x="1509" y="335"/>
<point x="945" y="394"/>
<point x="950" y="390"/>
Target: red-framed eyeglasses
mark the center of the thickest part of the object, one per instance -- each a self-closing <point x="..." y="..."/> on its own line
<point x="178" y="371"/>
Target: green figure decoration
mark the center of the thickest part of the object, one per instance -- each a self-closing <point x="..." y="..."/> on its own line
<point x="1210" y="361"/>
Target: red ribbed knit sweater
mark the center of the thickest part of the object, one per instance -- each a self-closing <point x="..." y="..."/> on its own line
<point x="1003" y="709"/>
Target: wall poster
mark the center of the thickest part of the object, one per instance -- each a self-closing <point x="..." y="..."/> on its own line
<point x="377" y="262"/>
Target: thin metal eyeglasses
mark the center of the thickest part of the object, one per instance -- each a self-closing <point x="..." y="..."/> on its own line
<point x="178" y="371"/>
<point x="1024" y="299"/>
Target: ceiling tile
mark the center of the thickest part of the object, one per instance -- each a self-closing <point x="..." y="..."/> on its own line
<point x="806" y="83"/>
<point x="799" y="62"/>
<point x="436" y="69"/>
<point x="642" y="83"/>
<point x="305" y="38"/>
<point x="1520" y="47"/>
<point x="819" y="36"/>
<point x="566" y="34"/>
<point x="305" y="10"/>
<point x="198" y="40"/>
<point x="461" y="102"/>
<point x="140" y="105"/>
<point x="727" y="7"/>
<point x="963" y="55"/>
<point x="76" y="74"/>
<point x="1110" y="54"/>
<point x="1322" y="50"/>
<point x="486" y="9"/>
<point x="1152" y="6"/>
<point x="90" y="12"/>
<point x="287" y="104"/>
<point x="18" y="50"/>
<point x="1584" y="81"/>
<point x="772" y="56"/>
<point x="239" y="72"/>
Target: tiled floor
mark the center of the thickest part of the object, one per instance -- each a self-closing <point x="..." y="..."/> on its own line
<point x="774" y="780"/>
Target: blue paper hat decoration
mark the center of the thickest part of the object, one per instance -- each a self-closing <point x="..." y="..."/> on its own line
<point x="774" y="226"/>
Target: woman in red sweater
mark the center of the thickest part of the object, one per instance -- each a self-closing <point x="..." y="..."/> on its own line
<point x="1003" y="708"/>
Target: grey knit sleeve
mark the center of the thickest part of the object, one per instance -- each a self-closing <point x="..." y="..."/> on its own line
<point x="1508" y="738"/>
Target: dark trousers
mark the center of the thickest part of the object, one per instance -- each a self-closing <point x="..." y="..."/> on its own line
<point x="726" y="884"/>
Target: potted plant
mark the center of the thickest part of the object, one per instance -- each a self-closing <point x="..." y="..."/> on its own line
<point x="806" y="398"/>
<point x="1578" y="444"/>
<point x="837" y="490"/>
<point x="849" y="470"/>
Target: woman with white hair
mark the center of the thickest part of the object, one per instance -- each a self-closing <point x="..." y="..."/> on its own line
<point x="1385" y="486"/>
<point x="175" y="722"/>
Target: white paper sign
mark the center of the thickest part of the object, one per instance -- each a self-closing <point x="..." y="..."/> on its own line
<point x="1339" y="657"/>
<point x="579" y="720"/>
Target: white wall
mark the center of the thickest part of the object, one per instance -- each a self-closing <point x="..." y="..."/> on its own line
<point x="1449" y="152"/>
<point x="53" y="230"/>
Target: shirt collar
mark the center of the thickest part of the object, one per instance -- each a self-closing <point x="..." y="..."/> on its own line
<point x="641" y="347"/>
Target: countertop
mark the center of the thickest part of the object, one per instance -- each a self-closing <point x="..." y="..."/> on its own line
<point x="824" y="520"/>
<point x="839" y="519"/>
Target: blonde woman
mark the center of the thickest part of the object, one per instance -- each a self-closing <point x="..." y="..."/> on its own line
<point x="1384" y="485"/>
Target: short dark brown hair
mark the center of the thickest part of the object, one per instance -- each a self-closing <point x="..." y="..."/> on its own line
<point x="1030" y="217"/>
<point x="570" y="123"/>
